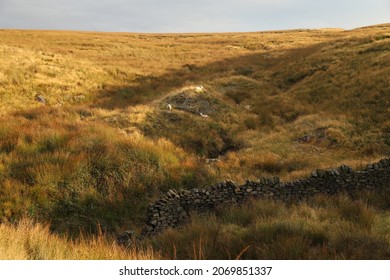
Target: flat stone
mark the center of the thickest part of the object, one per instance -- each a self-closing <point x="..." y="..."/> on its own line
<point x="231" y="184"/>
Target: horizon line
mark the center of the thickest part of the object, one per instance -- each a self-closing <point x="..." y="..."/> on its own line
<point x="196" y="32"/>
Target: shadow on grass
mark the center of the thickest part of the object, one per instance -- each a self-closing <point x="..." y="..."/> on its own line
<point x="150" y="87"/>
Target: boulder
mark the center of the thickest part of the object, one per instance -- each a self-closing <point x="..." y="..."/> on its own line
<point x="40" y="99"/>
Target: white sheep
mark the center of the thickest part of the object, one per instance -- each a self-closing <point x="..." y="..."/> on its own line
<point x="203" y="115"/>
<point x="169" y="107"/>
<point x="199" y="89"/>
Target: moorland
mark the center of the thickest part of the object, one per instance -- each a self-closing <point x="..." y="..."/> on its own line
<point x="87" y="140"/>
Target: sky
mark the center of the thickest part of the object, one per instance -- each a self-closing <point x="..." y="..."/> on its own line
<point x="190" y="15"/>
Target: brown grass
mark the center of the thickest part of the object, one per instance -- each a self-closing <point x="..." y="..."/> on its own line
<point x="104" y="146"/>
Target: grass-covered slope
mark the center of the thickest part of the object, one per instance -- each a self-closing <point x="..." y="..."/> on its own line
<point x="104" y="144"/>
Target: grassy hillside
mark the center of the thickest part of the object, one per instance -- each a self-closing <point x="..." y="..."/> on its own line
<point x="104" y="145"/>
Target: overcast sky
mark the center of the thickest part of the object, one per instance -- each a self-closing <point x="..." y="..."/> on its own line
<point x="191" y="15"/>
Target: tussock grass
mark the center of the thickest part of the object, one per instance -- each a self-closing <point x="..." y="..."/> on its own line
<point x="77" y="174"/>
<point x="31" y="241"/>
<point x="322" y="228"/>
<point x="103" y="145"/>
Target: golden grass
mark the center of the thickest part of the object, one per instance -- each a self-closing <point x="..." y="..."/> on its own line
<point x="31" y="241"/>
<point x="322" y="228"/>
<point x="104" y="146"/>
<point x="65" y="65"/>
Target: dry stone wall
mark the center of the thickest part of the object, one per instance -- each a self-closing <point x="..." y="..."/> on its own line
<point x="175" y="207"/>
